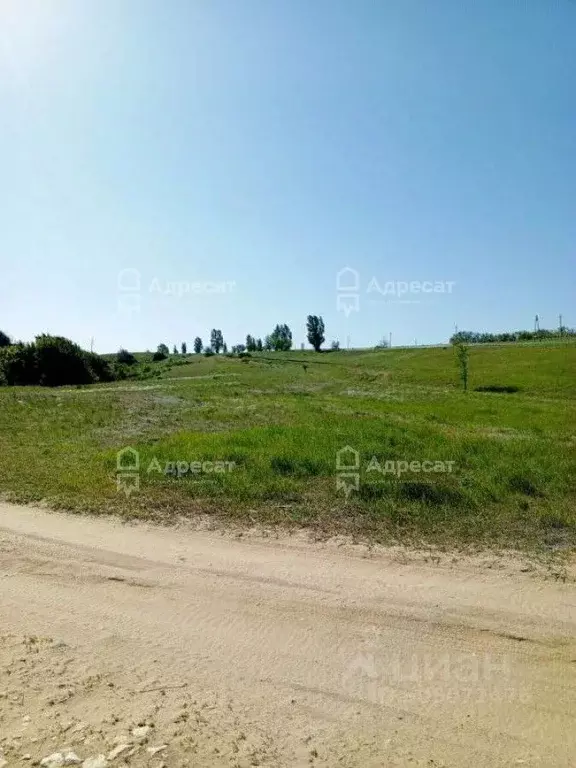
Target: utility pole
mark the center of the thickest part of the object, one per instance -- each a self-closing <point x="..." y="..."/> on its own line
<point x="560" y="326"/>
<point x="347" y="342"/>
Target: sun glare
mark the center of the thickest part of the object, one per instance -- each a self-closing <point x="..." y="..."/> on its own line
<point x="28" y="32"/>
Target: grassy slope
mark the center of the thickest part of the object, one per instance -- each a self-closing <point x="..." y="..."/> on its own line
<point x="515" y="454"/>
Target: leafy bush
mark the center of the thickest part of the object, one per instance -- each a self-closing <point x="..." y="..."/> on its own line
<point x="18" y="365"/>
<point x="159" y="355"/>
<point x="51" y="361"/>
<point x="472" y="337"/>
<point x="120" y="372"/>
<point x="61" y="361"/>
<point x="101" y="369"/>
<point x="125" y="357"/>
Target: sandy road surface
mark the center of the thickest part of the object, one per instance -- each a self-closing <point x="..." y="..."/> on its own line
<point x="266" y="652"/>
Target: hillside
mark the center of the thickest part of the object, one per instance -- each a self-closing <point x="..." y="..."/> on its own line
<point x="432" y="462"/>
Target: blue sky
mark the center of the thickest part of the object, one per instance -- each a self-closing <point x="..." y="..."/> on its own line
<point x="248" y="150"/>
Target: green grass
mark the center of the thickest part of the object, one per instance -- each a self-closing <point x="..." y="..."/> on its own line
<point x="513" y="452"/>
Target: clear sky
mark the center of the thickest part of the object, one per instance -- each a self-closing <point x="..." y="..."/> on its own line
<point x="248" y="150"/>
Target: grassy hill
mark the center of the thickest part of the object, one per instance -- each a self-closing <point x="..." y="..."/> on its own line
<point x="273" y="425"/>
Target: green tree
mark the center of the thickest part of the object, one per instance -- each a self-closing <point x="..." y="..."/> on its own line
<point x="462" y="352"/>
<point x="281" y="338"/>
<point x="125" y="357"/>
<point x="163" y="350"/>
<point x="197" y="345"/>
<point x="315" y="330"/>
<point x="5" y="340"/>
<point x="216" y="340"/>
<point x="184" y="348"/>
<point x="175" y="350"/>
<point x="259" y="346"/>
<point x="250" y="343"/>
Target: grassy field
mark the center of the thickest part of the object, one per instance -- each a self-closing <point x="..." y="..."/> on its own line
<point x="278" y="420"/>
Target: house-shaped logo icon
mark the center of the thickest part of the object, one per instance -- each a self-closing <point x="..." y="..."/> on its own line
<point x="347" y="460"/>
<point x="127" y="460"/>
<point x="348" y="280"/>
<point x="129" y="280"/>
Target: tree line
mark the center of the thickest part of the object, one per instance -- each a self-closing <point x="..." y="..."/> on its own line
<point x="473" y="337"/>
<point x="56" y="361"/>
<point x="280" y="340"/>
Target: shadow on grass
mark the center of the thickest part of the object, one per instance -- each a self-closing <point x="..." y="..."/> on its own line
<point x="501" y="388"/>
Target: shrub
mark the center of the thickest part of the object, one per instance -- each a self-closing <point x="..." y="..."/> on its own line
<point x="19" y="365"/>
<point x="159" y="355"/>
<point x="508" y="388"/>
<point x="100" y="368"/>
<point x="473" y="337"/>
<point x="120" y="372"/>
<point x="125" y="357"/>
<point x="51" y="361"/>
<point x="61" y="361"/>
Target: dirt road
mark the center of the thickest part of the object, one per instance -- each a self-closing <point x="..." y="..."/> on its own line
<point x="168" y="647"/>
